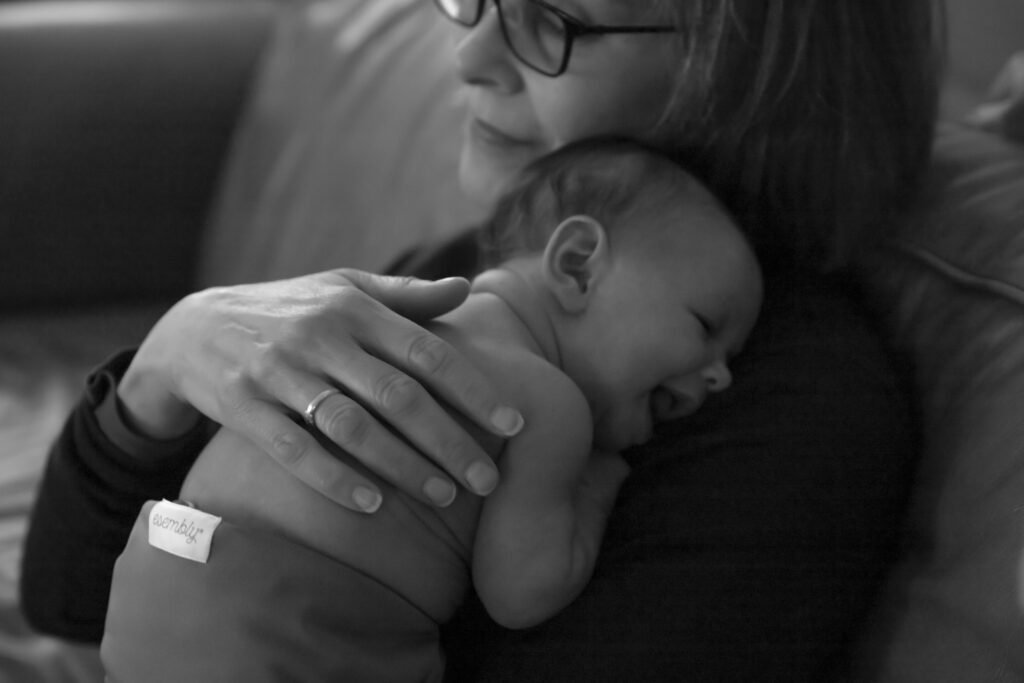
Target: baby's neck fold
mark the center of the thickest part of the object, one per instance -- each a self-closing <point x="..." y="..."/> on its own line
<point x="530" y="304"/>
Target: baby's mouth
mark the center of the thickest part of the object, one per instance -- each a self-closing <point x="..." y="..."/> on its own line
<point x="683" y="405"/>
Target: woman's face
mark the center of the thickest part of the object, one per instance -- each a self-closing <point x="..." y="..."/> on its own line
<point x="616" y="84"/>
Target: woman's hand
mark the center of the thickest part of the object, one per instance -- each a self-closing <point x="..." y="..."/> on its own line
<point x="249" y="356"/>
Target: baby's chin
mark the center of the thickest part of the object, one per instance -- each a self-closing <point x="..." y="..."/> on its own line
<point x="610" y="441"/>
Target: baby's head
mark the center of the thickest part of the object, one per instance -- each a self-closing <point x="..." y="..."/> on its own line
<point x="649" y="284"/>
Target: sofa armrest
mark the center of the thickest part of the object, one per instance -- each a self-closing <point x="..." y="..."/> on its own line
<point x="114" y="120"/>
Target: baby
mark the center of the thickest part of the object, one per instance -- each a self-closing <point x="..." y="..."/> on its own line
<point x="622" y="290"/>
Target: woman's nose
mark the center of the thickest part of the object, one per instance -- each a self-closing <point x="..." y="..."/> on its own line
<point x="482" y="57"/>
<point x="718" y="376"/>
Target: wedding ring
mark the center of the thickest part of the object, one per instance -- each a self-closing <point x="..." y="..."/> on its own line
<point x="309" y="414"/>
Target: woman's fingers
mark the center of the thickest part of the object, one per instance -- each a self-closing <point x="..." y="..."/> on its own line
<point x="404" y="404"/>
<point x="347" y="426"/>
<point x="409" y="297"/>
<point x="427" y="357"/>
<point x="297" y="368"/>
<point x="252" y="357"/>
<point x="298" y="452"/>
<point x="351" y="427"/>
<point x="323" y="468"/>
<point x="438" y="365"/>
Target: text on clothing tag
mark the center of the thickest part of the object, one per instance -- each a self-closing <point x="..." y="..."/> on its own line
<point x="181" y="530"/>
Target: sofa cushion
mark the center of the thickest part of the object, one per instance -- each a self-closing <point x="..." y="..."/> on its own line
<point x="349" y="150"/>
<point x="951" y="288"/>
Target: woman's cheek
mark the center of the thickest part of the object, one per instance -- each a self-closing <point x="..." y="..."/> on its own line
<point x="574" y="120"/>
<point x="600" y="113"/>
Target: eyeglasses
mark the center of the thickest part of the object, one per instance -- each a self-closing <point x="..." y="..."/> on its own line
<point x="539" y="35"/>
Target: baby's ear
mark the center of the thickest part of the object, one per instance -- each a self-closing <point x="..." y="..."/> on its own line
<point x="575" y="259"/>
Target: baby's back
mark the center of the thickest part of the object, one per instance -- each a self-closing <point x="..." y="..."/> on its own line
<point x="421" y="551"/>
<point x="418" y="550"/>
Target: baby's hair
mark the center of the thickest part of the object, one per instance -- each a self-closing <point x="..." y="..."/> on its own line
<point x="616" y="181"/>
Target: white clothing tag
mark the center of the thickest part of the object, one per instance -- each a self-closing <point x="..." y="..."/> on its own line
<point x="181" y="530"/>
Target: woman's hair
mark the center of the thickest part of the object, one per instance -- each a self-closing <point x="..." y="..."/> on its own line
<point x="811" y="120"/>
<point x="623" y="184"/>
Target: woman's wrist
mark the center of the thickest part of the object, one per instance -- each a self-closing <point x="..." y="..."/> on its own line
<point x="115" y="429"/>
<point x="150" y="409"/>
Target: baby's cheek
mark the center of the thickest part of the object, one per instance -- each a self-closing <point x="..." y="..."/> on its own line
<point x="605" y="437"/>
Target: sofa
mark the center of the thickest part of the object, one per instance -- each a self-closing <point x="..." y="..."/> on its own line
<point x="152" y="147"/>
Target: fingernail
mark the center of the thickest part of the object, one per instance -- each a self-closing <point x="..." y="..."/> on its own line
<point x="439" y="491"/>
<point x="367" y="500"/>
<point x="507" y="420"/>
<point x="482" y="478"/>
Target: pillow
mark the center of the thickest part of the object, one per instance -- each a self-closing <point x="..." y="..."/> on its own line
<point x="951" y="288"/>
<point x="348" y="153"/>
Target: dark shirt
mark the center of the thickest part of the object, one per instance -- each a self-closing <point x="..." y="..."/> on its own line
<point x="746" y="544"/>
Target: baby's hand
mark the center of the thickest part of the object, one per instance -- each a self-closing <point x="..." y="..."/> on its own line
<point x="602" y="480"/>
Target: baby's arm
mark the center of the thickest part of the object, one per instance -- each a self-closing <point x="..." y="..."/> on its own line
<point x="541" y="529"/>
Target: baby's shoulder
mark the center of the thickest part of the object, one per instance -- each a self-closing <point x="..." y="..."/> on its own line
<point x="540" y="390"/>
<point x="518" y="367"/>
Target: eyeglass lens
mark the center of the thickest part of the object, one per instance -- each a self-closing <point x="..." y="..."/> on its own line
<point x="535" y="34"/>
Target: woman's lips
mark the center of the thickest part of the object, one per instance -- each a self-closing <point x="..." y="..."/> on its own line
<point x="487" y="133"/>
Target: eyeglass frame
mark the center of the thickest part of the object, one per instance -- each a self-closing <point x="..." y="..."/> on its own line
<point x="573" y="27"/>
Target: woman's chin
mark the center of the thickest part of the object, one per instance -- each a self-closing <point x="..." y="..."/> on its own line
<point x="483" y="183"/>
<point x="484" y="175"/>
<point x="478" y="186"/>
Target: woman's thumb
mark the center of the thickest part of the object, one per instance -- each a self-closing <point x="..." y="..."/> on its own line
<point x="411" y="297"/>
